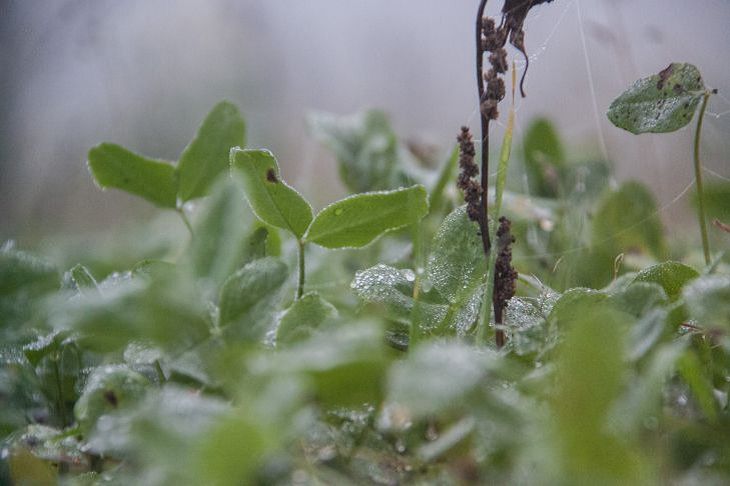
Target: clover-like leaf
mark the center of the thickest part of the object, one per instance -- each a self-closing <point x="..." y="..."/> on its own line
<point x="303" y="317"/>
<point x="114" y="166"/>
<point x="661" y="103"/>
<point x="271" y="199"/>
<point x="357" y="220"/>
<point x="206" y="156"/>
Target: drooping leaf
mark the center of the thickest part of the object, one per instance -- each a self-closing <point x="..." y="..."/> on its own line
<point x="303" y="318"/>
<point x="207" y="155"/>
<point x="357" y="220"/>
<point x="708" y="301"/>
<point x="249" y="292"/>
<point x="544" y="157"/>
<point x="627" y="220"/>
<point x="672" y="276"/>
<point x="114" y="166"/>
<point x="456" y="262"/>
<point x="272" y="200"/>
<point x="661" y="103"/>
<point x="366" y="149"/>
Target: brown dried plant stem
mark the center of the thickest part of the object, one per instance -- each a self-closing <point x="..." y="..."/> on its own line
<point x="483" y="220"/>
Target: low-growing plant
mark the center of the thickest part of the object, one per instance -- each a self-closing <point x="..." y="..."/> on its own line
<point x="213" y="359"/>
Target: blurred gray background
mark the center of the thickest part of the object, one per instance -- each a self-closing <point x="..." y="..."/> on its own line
<point x="143" y="73"/>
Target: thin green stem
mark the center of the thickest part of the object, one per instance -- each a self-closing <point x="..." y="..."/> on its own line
<point x="414" y="333"/>
<point x="698" y="180"/>
<point x="185" y="219"/>
<point x="160" y="373"/>
<point x="300" y="284"/>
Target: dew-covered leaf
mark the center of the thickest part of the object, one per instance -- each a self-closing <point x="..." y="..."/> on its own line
<point x="272" y="200"/>
<point x="366" y="149"/>
<point x="661" y="103"/>
<point x="357" y="220"/>
<point x="457" y="261"/>
<point x="248" y="293"/>
<point x="303" y="318"/>
<point x="114" y="166"/>
<point x="672" y="276"/>
<point x="207" y="155"/>
<point x="708" y="301"/>
<point x="639" y="298"/>
<point x="627" y="220"/>
<point x="393" y="288"/>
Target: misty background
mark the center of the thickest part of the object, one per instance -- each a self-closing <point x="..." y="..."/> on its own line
<point x="144" y="73"/>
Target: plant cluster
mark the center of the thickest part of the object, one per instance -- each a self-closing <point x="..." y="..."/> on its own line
<point x="272" y="344"/>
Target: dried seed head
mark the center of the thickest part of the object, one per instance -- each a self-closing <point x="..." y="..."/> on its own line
<point x="468" y="170"/>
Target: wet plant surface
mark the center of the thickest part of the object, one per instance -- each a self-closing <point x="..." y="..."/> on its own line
<point x="430" y="328"/>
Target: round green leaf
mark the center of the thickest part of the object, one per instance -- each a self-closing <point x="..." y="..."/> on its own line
<point x="661" y="103"/>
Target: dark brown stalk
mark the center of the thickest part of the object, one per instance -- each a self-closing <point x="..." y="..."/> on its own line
<point x="483" y="220"/>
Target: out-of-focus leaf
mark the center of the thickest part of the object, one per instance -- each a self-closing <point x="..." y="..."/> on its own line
<point x="272" y="200"/>
<point x="436" y="377"/>
<point x="446" y="177"/>
<point x="114" y="166"/>
<point x="357" y="220"/>
<point x="303" y="318"/>
<point x="163" y="309"/>
<point x="457" y="261"/>
<point x="691" y="371"/>
<point x="573" y="303"/>
<point x="24" y="279"/>
<point x="206" y="157"/>
<point x="248" y="292"/>
<point x="226" y="237"/>
<point x="672" y="276"/>
<point x="716" y="197"/>
<point x="639" y="298"/>
<point x="232" y="451"/>
<point x="108" y="389"/>
<point x="344" y="367"/>
<point x="627" y="220"/>
<point x="81" y="279"/>
<point x="590" y="372"/>
<point x="708" y="301"/>
<point x="661" y="103"/>
<point x="366" y="149"/>
<point x="544" y="156"/>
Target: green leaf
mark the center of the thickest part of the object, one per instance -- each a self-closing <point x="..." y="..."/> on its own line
<point x="227" y="235"/>
<point x="672" y="276"/>
<point x="303" y="318"/>
<point x="627" y="220"/>
<point x="456" y="262"/>
<point x="691" y="370"/>
<point x="544" y="156"/>
<point x="108" y="389"/>
<point x="272" y="200"/>
<point x="366" y="149"/>
<point x="82" y="278"/>
<point x="708" y="301"/>
<point x="357" y="220"/>
<point x="345" y="367"/>
<point x="250" y="290"/>
<point x="207" y="155"/>
<point x="436" y="377"/>
<point x="114" y="166"/>
<point x="661" y="103"/>
<point x="393" y="288"/>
